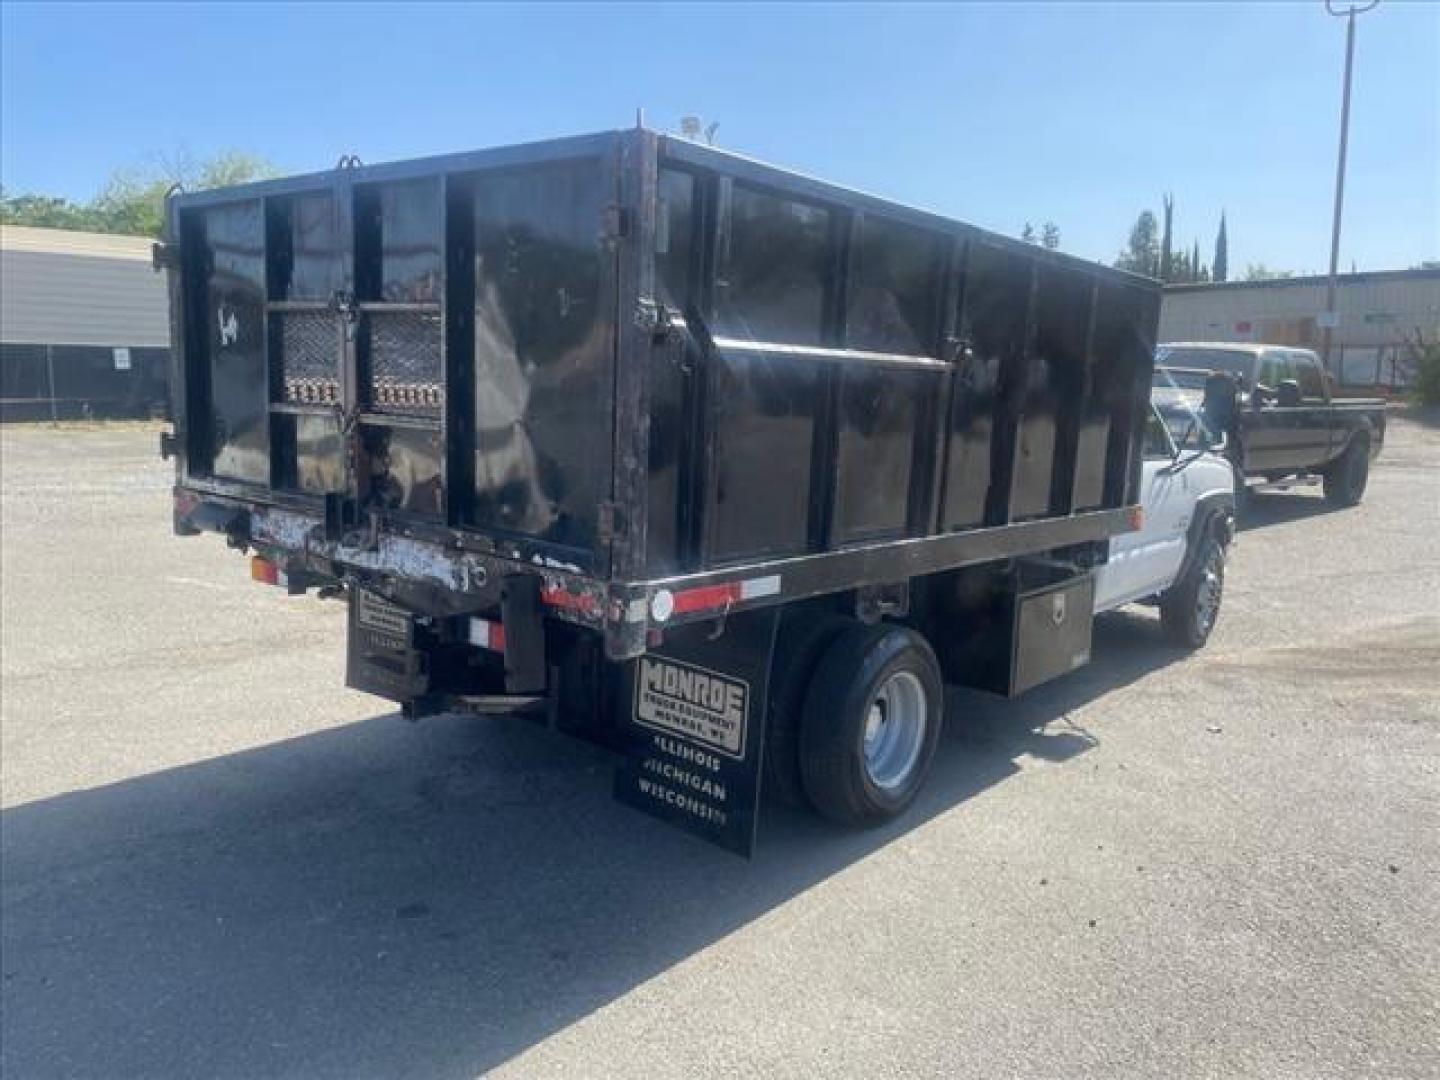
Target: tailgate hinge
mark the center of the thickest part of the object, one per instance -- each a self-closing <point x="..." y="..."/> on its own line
<point x="163" y="256"/>
<point x="615" y="222"/>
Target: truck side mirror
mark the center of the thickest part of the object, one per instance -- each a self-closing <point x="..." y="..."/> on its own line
<point x="1287" y="394"/>
<point x="1219" y="406"/>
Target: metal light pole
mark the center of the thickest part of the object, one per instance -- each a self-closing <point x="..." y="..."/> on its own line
<point x="1348" y="13"/>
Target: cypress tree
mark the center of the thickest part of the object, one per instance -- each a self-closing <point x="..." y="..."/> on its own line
<point x="1220" y="266"/>
<point x="1166" y="260"/>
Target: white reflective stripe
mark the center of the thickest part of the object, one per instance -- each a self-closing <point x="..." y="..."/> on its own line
<point x="480" y="633"/>
<point x="760" y="586"/>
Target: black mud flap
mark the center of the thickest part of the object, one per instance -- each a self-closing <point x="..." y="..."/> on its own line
<point x="693" y="727"/>
<point x="382" y="655"/>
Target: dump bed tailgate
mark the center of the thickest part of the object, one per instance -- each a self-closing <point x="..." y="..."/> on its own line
<point x="424" y="346"/>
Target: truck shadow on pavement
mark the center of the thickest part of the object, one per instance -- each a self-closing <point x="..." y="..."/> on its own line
<point x="1263" y="509"/>
<point x="383" y="899"/>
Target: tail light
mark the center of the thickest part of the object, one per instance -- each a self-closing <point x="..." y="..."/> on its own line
<point x="488" y="634"/>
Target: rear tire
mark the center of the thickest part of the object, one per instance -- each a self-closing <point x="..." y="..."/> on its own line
<point x="871" y="724"/>
<point x="1346" y="476"/>
<point x="1190" y="608"/>
<point x="797" y="653"/>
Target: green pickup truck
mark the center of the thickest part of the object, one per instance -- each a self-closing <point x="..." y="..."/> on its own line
<point x="1285" y="426"/>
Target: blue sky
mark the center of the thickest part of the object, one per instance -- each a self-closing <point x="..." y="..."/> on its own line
<point x="1080" y="113"/>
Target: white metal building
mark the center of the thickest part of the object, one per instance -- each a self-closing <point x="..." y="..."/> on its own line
<point x="84" y="325"/>
<point x="1379" y="316"/>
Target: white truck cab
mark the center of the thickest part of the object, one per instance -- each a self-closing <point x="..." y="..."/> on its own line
<point x="1177" y="557"/>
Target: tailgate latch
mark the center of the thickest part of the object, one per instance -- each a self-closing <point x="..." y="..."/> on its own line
<point x="343" y="304"/>
<point x="653" y="317"/>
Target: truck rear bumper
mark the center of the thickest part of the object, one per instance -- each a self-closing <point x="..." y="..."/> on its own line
<point x="443" y="572"/>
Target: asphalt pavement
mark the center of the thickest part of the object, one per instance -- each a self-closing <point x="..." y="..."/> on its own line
<point x="216" y="861"/>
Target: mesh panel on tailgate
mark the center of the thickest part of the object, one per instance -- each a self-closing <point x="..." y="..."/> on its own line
<point x="406" y="368"/>
<point x="309" y="357"/>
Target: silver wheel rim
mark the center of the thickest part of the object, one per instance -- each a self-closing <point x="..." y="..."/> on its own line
<point x="1207" y="597"/>
<point x="895" y="730"/>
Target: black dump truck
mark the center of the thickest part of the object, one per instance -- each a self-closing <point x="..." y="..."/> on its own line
<point x="718" y="465"/>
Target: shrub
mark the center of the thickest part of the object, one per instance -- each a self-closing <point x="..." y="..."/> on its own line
<point x="1427" y="371"/>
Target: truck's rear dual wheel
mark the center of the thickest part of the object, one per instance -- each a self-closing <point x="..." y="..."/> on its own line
<point x="798" y="652"/>
<point x="870" y="724"/>
<point x="1347" y="475"/>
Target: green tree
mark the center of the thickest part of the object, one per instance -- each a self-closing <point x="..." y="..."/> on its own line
<point x="1261" y="272"/>
<point x="1142" y="253"/>
<point x="1050" y="235"/>
<point x="45" y="211"/>
<point x="1028" y="233"/>
<point x="1220" y="265"/>
<point x="133" y="200"/>
<point x="1426" y="355"/>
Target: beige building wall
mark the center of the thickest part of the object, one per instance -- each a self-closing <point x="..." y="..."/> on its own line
<point x="75" y="288"/>
<point x="1379" y="316"/>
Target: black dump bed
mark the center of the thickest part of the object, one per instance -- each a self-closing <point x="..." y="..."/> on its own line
<point x="666" y="379"/>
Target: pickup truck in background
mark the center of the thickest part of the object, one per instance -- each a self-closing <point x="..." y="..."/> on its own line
<point x="1283" y="423"/>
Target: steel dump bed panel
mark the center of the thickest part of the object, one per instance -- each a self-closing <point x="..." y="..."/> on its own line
<point x="636" y="365"/>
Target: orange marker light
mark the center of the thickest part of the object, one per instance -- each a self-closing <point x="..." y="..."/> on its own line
<point x="264" y="571"/>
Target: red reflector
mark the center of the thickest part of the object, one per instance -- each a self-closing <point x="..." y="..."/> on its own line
<point x="264" y="571"/>
<point x="706" y="597"/>
<point x="487" y="634"/>
<point x="1137" y="518"/>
